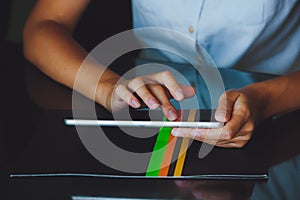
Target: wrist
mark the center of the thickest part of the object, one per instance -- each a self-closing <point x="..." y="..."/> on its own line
<point x="104" y="92"/>
<point x="258" y="101"/>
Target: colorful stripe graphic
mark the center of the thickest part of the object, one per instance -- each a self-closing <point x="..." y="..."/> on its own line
<point x="181" y="157"/>
<point x="164" y="149"/>
<point x="183" y="148"/>
<point x="165" y="165"/>
<point x="158" y="151"/>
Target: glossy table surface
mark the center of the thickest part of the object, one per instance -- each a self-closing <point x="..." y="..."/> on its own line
<point x="43" y="95"/>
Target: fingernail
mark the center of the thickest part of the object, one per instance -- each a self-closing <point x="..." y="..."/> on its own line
<point x="221" y="116"/>
<point x="177" y="132"/>
<point x="195" y="133"/>
<point x="172" y="115"/>
<point x="179" y="94"/>
<point x="134" y="103"/>
<point x="153" y="104"/>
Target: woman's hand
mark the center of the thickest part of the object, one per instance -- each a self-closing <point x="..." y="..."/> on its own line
<point x="153" y="90"/>
<point x="239" y="110"/>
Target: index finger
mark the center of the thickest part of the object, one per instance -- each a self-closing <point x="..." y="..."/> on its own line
<point x="227" y="132"/>
<point x="178" y="91"/>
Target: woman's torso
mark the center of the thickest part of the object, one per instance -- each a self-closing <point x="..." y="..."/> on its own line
<point x="254" y="35"/>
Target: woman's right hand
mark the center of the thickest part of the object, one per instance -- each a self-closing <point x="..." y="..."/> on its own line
<point x="153" y="90"/>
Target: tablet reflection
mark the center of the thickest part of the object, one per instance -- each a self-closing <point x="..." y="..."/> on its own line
<point x="283" y="183"/>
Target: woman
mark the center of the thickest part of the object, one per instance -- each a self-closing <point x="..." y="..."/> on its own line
<point x="257" y="35"/>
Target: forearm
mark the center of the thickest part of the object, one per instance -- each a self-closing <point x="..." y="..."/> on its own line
<point x="50" y="46"/>
<point x="276" y="96"/>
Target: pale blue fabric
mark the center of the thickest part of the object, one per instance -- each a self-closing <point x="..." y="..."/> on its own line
<point x="254" y="35"/>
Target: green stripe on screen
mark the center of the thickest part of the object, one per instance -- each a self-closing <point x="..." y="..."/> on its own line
<point x="158" y="151"/>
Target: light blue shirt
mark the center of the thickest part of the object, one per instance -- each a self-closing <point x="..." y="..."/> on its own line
<point x="253" y="35"/>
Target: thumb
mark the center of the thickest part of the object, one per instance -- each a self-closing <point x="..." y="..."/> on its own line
<point x="225" y="106"/>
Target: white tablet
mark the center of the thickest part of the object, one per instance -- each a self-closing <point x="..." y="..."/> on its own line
<point x="130" y="123"/>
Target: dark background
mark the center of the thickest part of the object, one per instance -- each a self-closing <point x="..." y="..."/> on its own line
<point x="101" y="20"/>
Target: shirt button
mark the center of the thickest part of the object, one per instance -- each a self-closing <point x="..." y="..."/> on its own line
<point x="191" y="29"/>
<point x="199" y="59"/>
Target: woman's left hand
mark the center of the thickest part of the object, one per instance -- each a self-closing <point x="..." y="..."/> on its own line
<point x="239" y="110"/>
